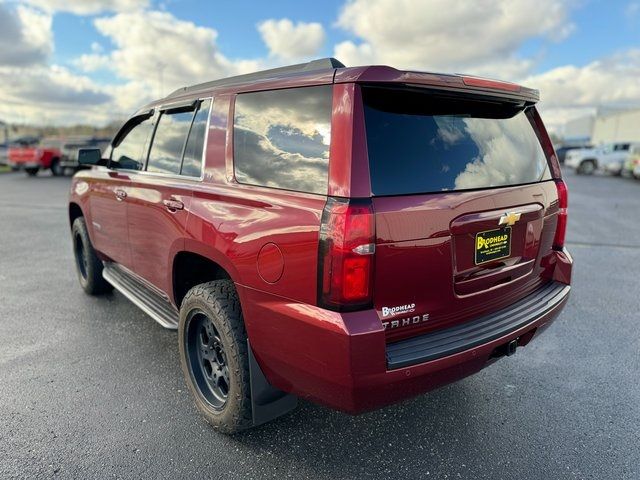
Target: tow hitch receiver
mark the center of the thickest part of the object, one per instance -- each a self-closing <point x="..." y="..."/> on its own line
<point x="507" y="349"/>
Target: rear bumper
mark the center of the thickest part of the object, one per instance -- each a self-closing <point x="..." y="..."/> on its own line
<point x="484" y="330"/>
<point x="344" y="362"/>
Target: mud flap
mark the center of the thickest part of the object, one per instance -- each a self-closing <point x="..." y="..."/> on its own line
<point x="267" y="402"/>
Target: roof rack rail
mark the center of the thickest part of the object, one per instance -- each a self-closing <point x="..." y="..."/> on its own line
<point x="319" y="64"/>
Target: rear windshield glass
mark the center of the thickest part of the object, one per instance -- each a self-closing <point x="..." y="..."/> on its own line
<point x="421" y="143"/>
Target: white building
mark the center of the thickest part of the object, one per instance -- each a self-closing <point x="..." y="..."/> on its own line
<point x="579" y="130"/>
<point x="620" y="126"/>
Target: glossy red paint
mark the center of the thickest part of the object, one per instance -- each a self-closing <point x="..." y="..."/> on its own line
<point x="424" y="237"/>
<point x="340" y="357"/>
<point x="156" y="230"/>
<point x="349" y="166"/>
<point x="337" y="359"/>
<point x="384" y="74"/>
<point x="104" y="198"/>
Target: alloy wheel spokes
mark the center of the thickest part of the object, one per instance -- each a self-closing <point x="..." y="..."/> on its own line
<point x="211" y="360"/>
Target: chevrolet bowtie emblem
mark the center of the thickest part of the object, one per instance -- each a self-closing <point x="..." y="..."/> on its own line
<point x="509" y="218"/>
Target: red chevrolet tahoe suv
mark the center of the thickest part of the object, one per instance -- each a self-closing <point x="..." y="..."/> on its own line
<point x="350" y="236"/>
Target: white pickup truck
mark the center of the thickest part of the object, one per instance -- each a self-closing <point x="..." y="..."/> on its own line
<point x="608" y="157"/>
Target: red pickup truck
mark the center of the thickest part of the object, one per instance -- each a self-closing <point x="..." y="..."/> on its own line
<point x="350" y="236"/>
<point x="33" y="158"/>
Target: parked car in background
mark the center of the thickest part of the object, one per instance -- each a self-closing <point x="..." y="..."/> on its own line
<point x="4" y="146"/>
<point x="631" y="167"/>
<point x="337" y="266"/>
<point x="4" y="154"/>
<point x="18" y="142"/>
<point x="33" y="158"/>
<point x="608" y="158"/>
<point x="71" y="146"/>
<point x="561" y="151"/>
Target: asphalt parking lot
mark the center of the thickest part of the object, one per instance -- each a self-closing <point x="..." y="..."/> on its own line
<point x="92" y="388"/>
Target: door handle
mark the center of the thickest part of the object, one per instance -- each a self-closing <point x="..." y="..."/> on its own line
<point x="173" y="205"/>
<point x="120" y="194"/>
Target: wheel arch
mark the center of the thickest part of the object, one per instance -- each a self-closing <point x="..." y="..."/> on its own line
<point x="190" y="268"/>
<point x="75" y="211"/>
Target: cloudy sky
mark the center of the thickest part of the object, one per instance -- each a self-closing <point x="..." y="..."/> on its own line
<point x="72" y="61"/>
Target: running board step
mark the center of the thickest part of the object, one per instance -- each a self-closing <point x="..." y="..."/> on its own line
<point x="142" y="296"/>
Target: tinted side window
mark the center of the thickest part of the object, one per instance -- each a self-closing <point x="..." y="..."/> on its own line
<point x="165" y="155"/>
<point x="192" y="163"/>
<point x="130" y="152"/>
<point x="281" y="138"/>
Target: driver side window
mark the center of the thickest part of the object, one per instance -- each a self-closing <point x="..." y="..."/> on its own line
<point x="130" y="153"/>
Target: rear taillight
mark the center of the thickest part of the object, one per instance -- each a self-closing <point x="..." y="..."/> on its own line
<point x="563" y="203"/>
<point x="346" y="255"/>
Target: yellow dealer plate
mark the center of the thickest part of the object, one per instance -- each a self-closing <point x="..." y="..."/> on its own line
<point x="493" y="245"/>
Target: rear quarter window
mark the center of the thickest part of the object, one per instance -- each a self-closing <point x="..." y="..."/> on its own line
<point x="421" y="143"/>
<point x="281" y="138"/>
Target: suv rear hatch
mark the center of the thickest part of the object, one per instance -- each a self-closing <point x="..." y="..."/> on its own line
<point x="465" y="205"/>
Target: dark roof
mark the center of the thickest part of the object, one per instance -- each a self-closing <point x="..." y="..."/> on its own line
<point x="320" y="64"/>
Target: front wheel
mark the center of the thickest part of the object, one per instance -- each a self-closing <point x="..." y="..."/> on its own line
<point x="32" y="171"/>
<point x="587" y="167"/>
<point x="88" y="265"/>
<point x="56" y="169"/>
<point x="214" y="355"/>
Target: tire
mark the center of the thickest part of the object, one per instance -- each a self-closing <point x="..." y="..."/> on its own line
<point x="32" y="171"/>
<point x="587" y="167"/>
<point x="88" y="265"/>
<point x="214" y="355"/>
<point x="56" y="169"/>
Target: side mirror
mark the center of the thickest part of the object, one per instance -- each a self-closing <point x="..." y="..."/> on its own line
<point x="90" y="156"/>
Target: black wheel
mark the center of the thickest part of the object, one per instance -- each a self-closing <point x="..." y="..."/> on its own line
<point x="587" y="167"/>
<point x="88" y="265"/>
<point x="56" y="169"/>
<point x="213" y="355"/>
<point x="32" y="171"/>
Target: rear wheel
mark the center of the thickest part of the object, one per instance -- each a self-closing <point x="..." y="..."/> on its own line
<point x="88" y="265"/>
<point x="56" y="169"/>
<point x="214" y="355"/>
<point x="32" y="171"/>
<point x="587" y="167"/>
